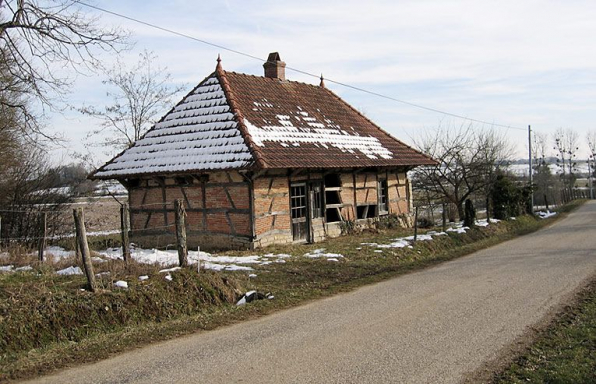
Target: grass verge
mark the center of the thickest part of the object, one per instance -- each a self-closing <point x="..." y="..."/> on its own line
<point x="47" y="323"/>
<point x="565" y="351"/>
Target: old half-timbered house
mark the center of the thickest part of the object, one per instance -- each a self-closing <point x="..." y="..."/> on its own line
<point x="262" y="160"/>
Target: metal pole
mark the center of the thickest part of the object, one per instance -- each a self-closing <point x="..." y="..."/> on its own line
<point x="590" y="165"/>
<point x="530" y="158"/>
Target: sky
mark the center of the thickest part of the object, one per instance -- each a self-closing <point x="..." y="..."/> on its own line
<point x="512" y="63"/>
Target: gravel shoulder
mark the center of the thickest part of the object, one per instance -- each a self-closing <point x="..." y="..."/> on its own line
<point x="437" y="325"/>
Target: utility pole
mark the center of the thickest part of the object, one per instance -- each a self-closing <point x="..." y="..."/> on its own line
<point x="530" y="161"/>
<point x="591" y="168"/>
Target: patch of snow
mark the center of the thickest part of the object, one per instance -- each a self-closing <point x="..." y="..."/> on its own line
<point x="397" y="243"/>
<point x="252" y="275"/>
<point x="458" y="229"/>
<point x="168" y="277"/>
<point x="421" y="237"/>
<point x="545" y="214"/>
<point x="70" y="271"/>
<point x="168" y="270"/>
<point x="321" y="253"/>
<point x="58" y="252"/>
<point x="121" y="284"/>
<point x="25" y="268"/>
<point x="243" y="299"/>
<point x="143" y="278"/>
<point x="435" y="233"/>
<point x="6" y="268"/>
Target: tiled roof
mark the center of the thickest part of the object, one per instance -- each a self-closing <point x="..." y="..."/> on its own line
<point x="298" y="125"/>
<point x="200" y="133"/>
<point x="237" y="121"/>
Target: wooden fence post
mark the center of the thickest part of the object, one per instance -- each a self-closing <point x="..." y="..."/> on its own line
<point x="416" y="224"/>
<point x="444" y="217"/>
<point x="81" y="233"/>
<point x="42" y="240"/>
<point x="78" y="253"/>
<point x="181" y="233"/>
<point x="124" y="232"/>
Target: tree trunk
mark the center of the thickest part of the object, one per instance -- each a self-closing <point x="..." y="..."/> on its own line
<point x="460" y="210"/>
<point x="470" y="214"/>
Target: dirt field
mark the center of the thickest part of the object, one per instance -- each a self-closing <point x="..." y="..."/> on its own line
<point x="101" y="213"/>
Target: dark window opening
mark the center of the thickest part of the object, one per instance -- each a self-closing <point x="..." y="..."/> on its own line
<point x="332" y="197"/>
<point x="367" y="211"/>
<point x="133" y="183"/>
<point x="332" y="180"/>
<point x="183" y="180"/>
<point x="333" y="215"/>
<point x="383" y="196"/>
<point x="372" y="211"/>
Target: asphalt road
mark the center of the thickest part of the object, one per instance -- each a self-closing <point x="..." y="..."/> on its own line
<point x="432" y="326"/>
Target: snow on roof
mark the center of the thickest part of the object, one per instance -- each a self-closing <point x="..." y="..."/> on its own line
<point x="200" y="133"/>
<point x="238" y="121"/>
<point x="306" y="129"/>
<point x="297" y="125"/>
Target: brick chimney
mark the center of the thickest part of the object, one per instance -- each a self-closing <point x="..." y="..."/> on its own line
<point x="274" y="67"/>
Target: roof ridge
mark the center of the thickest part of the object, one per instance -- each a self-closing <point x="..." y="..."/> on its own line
<point x="252" y="147"/>
<point x="272" y="79"/>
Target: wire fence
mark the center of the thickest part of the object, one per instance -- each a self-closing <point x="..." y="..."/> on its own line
<point x="38" y="226"/>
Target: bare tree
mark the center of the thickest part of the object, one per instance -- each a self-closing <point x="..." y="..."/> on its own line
<point x="495" y="153"/>
<point x="467" y="160"/>
<point x="591" y="136"/>
<point x="140" y="94"/>
<point x="544" y="183"/>
<point x="566" y="147"/>
<point x="35" y="35"/>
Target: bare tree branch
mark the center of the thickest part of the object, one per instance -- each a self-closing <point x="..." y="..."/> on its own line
<point x="468" y="161"/>
<point x="139" y="96"/>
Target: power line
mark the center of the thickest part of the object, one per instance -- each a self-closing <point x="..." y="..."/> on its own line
<point x="295" y="69"/>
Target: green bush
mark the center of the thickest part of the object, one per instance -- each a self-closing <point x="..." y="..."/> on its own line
<point x="509" y="200"/>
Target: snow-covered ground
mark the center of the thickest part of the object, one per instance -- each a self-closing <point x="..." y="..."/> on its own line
<point x="545" y="214"/>
<point x="402" y="242"/>
<point x="168" y="258"/>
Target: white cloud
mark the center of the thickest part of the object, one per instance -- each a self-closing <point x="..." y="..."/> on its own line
<point x="511" y="62"/>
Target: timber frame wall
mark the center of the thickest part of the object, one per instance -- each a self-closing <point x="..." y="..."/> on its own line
<point x="218" y="210"/>
<point x="352" y="188"/>
<point x="230" y="210"/>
